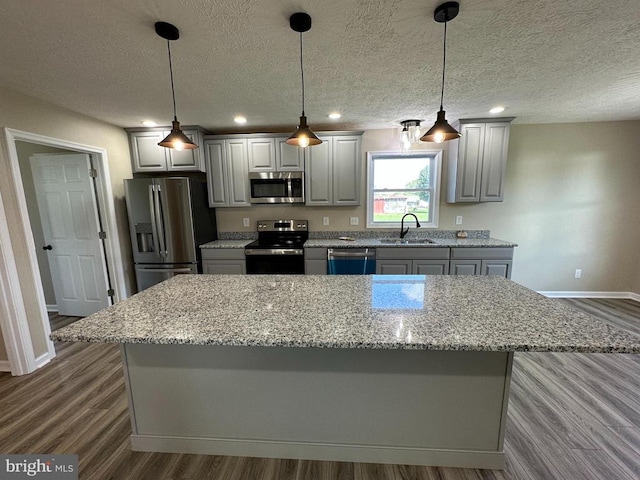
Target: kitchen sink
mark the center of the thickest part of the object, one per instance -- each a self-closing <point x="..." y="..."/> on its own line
<point x="403" y="241"/>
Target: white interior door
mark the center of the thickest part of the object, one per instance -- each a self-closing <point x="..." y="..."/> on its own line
<point x="67" y="205"/>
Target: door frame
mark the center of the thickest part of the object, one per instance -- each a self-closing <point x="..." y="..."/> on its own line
<point x="13" y="319"/>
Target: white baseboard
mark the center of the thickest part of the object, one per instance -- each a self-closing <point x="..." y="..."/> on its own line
<point x="43" y="359"/>
<point x="561" y="294"/>
<point x="52" y="308"/>
<point x="4" y="366"/>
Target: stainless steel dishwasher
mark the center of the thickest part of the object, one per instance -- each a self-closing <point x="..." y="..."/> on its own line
<point x="351" y="261"/>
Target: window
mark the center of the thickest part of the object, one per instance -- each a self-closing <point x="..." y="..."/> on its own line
<point x="400" y="183"/>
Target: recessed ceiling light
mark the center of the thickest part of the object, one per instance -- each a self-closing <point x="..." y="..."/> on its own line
<point x="497" y="110"/>
<point x="240" y="120"/>
<point x="334" y="116"/>
<point x="149" y="123"/>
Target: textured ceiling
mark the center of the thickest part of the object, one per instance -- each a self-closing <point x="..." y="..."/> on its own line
<point x="375" y="61"/>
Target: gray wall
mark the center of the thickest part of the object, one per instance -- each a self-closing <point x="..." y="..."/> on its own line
<point x="25" y="150"/>
<point x="572" y="192"/>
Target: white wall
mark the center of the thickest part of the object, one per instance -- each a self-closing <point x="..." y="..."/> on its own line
<point x="27" y="114"/>
<point x="571" y="201"/>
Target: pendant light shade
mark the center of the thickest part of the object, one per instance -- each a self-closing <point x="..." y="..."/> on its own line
<point x="441" y="130"/>
<point x="303" y="136"/>
<point x="176" y="139"/>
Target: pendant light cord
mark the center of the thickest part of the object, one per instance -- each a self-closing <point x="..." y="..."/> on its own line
<point x="444" y="60"/>
<point x="302" y="73"/>
<point x="173" y="93"/>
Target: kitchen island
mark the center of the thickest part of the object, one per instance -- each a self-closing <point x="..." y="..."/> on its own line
<point x="391" y="369"/>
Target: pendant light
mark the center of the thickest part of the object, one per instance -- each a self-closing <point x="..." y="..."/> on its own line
<point x="176" y="139"/>
<point x="441" y="130"/>
<point x="410" y="133"/>
<point x="303" y="136"/>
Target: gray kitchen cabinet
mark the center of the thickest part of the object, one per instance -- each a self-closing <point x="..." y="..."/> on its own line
<point x="482" y="261"/>
<point x="227" y="172"/>
<point x="148" y="156"/>
<point x="223" y="261"/>
<point x="412" y="261"/>
<point x="261" y="154"/>
<point x="333" y="170"/>
<point x="315" y="261"/>
<point x="477" y="161"/>
<point x="288" y="157"/>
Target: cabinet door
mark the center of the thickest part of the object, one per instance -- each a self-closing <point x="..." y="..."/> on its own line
<point x="471" y="148"/>
<point x="224" y="267"/>
<point x="262" y="154"/>
<point x="501" y="268"/>
<point x="146" y="154"/>
<point x="238" y="181"/>
<point x="319" y="177"/>
<point x="346" y="170"/>
<point x="464" y="267"/>
<point x="216" y="173"/>
<point x="315" y="267"/>
<point x="185" y="160"/>
<point x="494" y="162"/>
<point x="430" y="267"/>
<point x="288" y="157"/>
<point x="393" y="267"/>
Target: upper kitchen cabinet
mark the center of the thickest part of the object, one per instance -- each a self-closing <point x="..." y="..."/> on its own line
<point x="478" y="160"/>
<point x="148" y="156"/>
<point x="227" y="172"/>
<point x="268" y="153"/>
<point x="333" y="169"/>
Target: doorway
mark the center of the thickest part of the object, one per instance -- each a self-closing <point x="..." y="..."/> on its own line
<point x="23" y="317"/>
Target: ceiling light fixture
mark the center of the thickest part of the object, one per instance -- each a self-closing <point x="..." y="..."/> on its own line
<point x="334" y="116"/>
<point x="176" y="139"/>
<point x="441" y="130"/>
<point x="149" y="123"/>
<point x="497" y="110"/>
<point x="240" y="120"/>
<point x="303" y="136"/>
<point x="410" y="132"/>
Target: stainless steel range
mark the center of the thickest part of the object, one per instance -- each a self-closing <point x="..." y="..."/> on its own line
<point x="279" y="247"/>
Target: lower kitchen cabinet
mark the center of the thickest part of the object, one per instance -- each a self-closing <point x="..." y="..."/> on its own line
<point x="412" y="261"/>
<point x="223" y="261"/>
<point x="315" y="261"/>
<point x="481" y="261"/>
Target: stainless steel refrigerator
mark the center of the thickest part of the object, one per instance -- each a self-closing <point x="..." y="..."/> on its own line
<point x="168" y="219"/>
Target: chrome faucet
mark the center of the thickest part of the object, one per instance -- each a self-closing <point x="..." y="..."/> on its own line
<point x="403" y="232"/>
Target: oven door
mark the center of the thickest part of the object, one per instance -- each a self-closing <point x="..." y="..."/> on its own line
<point x="276" y="261"/>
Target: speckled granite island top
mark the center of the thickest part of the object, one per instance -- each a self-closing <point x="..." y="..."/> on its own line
<point x="481" y="313"/>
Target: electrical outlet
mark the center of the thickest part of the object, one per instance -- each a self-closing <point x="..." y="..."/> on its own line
<point x="459" y="220"/>
<point x="354" y="221"/>
<point x="325" y="220"/>
<point x="578" y="273"/>
<point x="245" y="221"/>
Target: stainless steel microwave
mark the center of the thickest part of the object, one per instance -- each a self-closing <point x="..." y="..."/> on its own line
<point x="277" y="187"/>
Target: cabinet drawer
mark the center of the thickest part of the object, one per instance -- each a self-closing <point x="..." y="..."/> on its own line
<point x="414" y="253"/>
<point x="223" y="253"/>
<point x="315" y="254"/>
<point x="479" y="253"/>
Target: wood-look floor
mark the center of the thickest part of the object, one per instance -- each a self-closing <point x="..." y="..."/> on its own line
<point x="57" y="321"/>
<point x="571" y="416"/>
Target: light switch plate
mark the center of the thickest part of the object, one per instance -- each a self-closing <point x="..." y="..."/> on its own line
<point x="354" y="221"/>
<point x="245" y="221"/>
<point x="459" y="220"/>
<point x="325" y="220"/>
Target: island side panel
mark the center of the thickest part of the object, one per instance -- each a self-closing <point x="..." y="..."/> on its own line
<point x="385" y="406"/>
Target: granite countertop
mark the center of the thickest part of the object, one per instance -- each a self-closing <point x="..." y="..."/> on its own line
<point x="482" y="313"/>
<point x="437" y="243"/>
<point x="226" y="244"/>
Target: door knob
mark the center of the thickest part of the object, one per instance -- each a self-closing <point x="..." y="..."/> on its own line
<point x="47" y="247"/>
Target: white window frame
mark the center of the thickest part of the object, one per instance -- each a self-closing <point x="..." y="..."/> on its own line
<point x="434" y="206"/>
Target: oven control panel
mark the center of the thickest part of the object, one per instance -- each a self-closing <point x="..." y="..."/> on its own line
<point x="283" y="225"/>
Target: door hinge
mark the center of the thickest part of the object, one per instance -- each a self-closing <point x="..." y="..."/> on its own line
<point x="102" y="235"/>
<point x="93" y="173"/>
<point x="111" y="292"/>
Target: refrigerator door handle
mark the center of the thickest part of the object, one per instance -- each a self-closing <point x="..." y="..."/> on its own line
<point x="154" y="226"/>
<point x="161" y="232"/>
